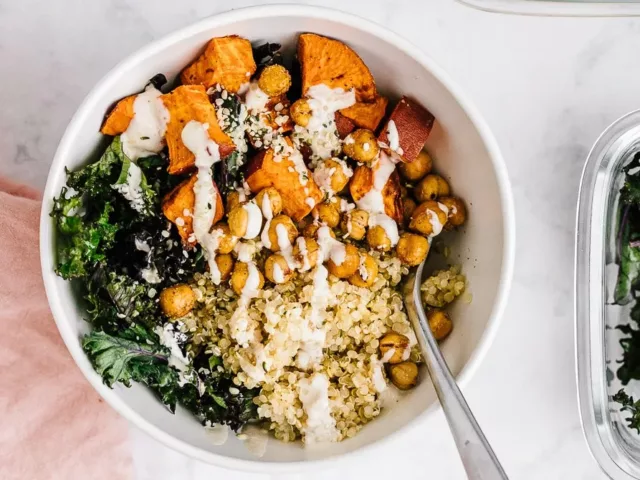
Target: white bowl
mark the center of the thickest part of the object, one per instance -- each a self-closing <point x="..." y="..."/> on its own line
<point x="464" y="151"/>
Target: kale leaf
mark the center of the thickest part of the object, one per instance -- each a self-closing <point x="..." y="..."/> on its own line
<point x="629" y="256"/>
<point x="628" y="404"/>
<point x="95" y="180"/>
<point x="136" y="355"/>
<point x="268" y="54"/>
<point x="85" y="242"/>
<point x="146" y="198"/>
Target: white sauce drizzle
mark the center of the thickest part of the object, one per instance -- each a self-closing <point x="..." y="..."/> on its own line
<point x="373" y="201"/>
<point x="377" y="377"/>
<point x="177" y="359"/>
<point x="330" y="248"/>
<point x="304" y="253"/>
<point x="388" y="224"/>
<point x="132" y="189"/>
<point x="286" y="249"/>
<point x="320" y="426"/>
<point x="256" y="100"/>
<point x="254" y="222"/>
<point x="145" y="134"/>
<point x="195" y="137"/>
<point x="394" y="138"/>
<point x="278" y="274"/>
<point x="321" y="134"/>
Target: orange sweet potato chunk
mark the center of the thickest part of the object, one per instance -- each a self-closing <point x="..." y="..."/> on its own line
<point x="362" y="182"/>
<point x="367" y="115"/>
<point x="413" y="123"/>
<point x="183" y="198"/>
<point x="225" y="60"/>
<point x="328" y="61"/>
<point x="118" y="119"/>
<point x="186" y="103"/>
<point x="263" y="171"/>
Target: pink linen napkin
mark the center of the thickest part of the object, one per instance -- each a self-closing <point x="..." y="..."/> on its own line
<point x="53" y="425"/>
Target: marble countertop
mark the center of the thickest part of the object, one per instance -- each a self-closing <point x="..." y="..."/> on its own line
<point x="546" y="86"/>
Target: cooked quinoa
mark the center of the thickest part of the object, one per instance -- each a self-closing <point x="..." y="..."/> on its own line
<point x="356" y="319"/>
<point x="443" y="287"/>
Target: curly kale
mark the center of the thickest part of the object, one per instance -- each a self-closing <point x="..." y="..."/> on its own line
<point x="125" y="252"/>
<point x="628" y="404"/>
<point x="137" y="355"/>
<point x="628" y="257"/>
<point x="84" y="242"/>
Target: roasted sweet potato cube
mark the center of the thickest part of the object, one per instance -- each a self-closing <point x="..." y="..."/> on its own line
<point x="180" y="203"/>
<point x="362" y="182"/>
<point x="344" y="126"/>
<point x="186" y="103"/>
<point x="298" y="199"/>
<point x="328" y="61"/>
<point x="225" y="60"/>
<point x="413" y="123"/>
<point x="118" y="119"/>
<point x="367" y="115"/>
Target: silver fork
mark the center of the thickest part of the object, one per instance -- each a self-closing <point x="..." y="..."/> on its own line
<point x="477" y="456"/>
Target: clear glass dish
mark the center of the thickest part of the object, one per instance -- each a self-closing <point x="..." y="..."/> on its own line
<point x="587" y="8"/>
<point x="612" y="443"/>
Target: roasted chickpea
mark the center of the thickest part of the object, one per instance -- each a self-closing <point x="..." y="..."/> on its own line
<point x="404" y="192"/>
<point x="404" y="375"/>
<point x="225" y="266"/>
<point x="377" y="239"/>
<point x="276" y="269"/>
<point x="414" y="171"/>
<point x="327" y="213"/>
<point x="431" y="187"/>
<point x="367" y="272"/>
<point x="233" y="200"/>
<point x="240" y="276"/>
<point x="226" y="241"/>
<point x="354" y="223"/>
<point x="350" y="264"/>
<point x="440" y="323"/>
<point x="394" y="347"/>
<point x="408" y="206"/>
<point x="245" y="221"/>
<point x="177" y="301"/>
<point x="274" y="80"/>
<point x="300" y="112"/>
<point x="456" y="214"/>
<point x="412" y="249"/>
<point x="332" y="174"/>
<point x="306" y="251"/>
<point x="281" y="223"/>
<point x="361" y="145"/>
<point x="428" y="218"/>
<point x="273" y="204"/>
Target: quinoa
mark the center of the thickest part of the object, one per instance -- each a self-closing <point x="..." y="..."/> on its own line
<point x="355" y="320"/>
<point x="443" y="287"/>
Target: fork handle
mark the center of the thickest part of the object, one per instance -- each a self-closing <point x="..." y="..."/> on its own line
<point x="477" y="456"/>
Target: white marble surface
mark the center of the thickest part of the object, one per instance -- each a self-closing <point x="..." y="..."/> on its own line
<point x="547" y="88"/>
